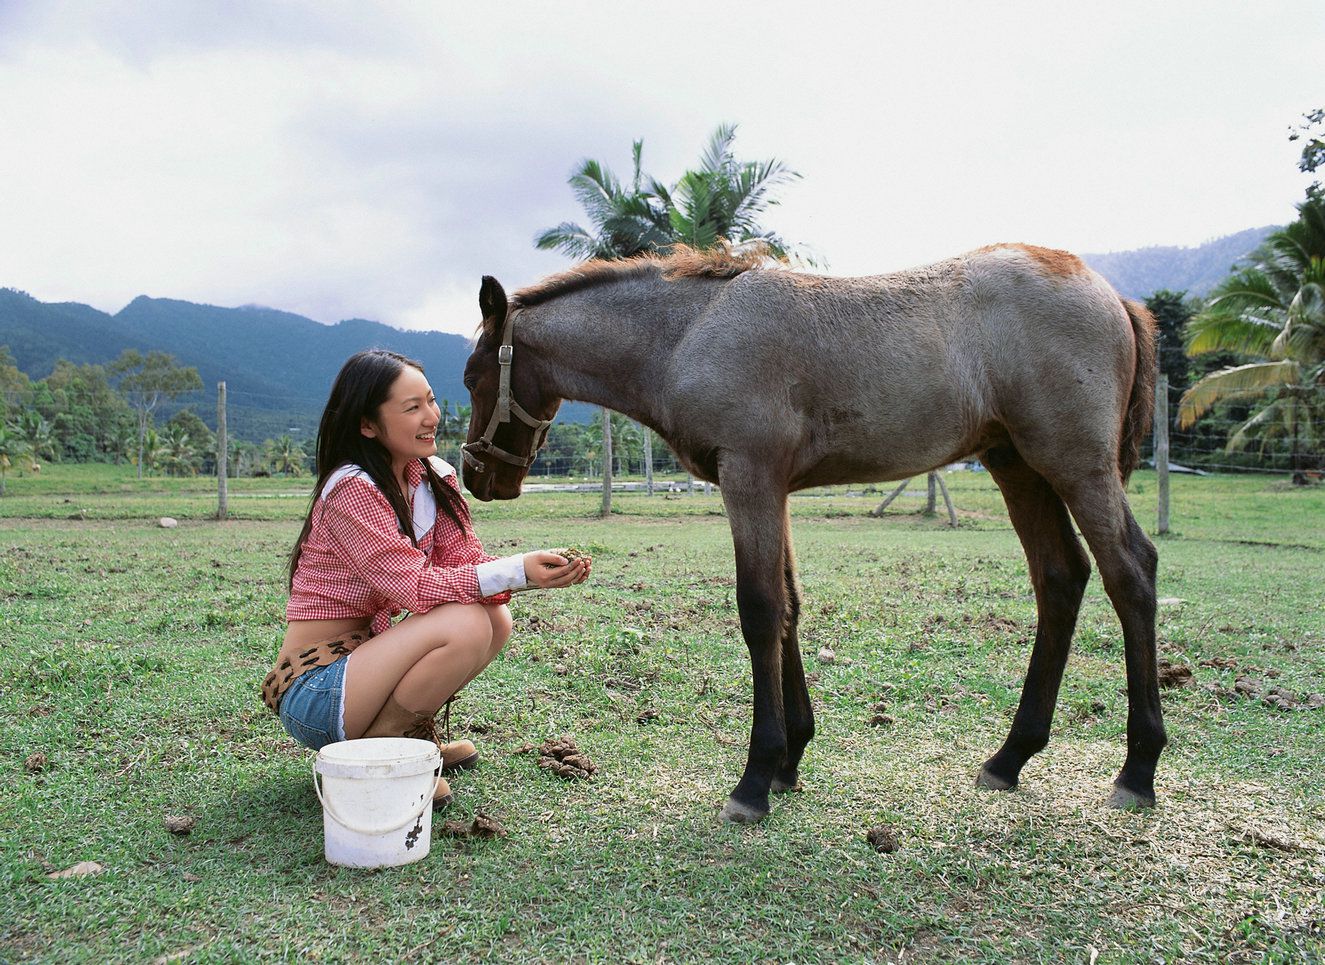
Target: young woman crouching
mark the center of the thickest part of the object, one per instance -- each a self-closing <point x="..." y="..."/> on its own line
<point x="389" y="531"/>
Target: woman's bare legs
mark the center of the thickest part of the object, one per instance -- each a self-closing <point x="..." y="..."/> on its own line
<point x="501" y="632"/>
<point x="421" y="662"/>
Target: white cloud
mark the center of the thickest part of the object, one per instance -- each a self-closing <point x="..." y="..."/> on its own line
<point x="339" y="160"/>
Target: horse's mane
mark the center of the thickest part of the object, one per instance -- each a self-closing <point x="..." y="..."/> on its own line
<point x="680" y="262"/>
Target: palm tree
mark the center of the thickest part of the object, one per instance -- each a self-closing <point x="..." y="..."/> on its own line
<point x="179" y="455"/>
<point x="1273" y="310"/>
<point x="12" y="449"/>
<point x="35" y="431"/>
<point x="624" y="223"/>
<point x="149" y="451"/>
<point x="722" y="201"/>
<point x="287" y="456"/>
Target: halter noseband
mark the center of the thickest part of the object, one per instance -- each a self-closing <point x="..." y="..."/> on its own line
<point x="501" y="412"/>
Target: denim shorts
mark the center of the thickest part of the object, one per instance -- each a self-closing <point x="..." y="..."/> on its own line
<point x="313" y="708"/>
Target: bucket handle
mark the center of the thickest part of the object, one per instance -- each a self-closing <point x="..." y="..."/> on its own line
<point x="326" y="805"/>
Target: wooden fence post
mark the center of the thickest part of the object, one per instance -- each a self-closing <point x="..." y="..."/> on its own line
<point x="222" y="455"/>
<point x="648" y="459"/>
<point x="1162" y="449"/>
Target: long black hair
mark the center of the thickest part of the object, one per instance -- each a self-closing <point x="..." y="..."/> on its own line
<point x="363" y="384"/>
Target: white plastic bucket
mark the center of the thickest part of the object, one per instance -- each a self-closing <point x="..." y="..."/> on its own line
<point x="376" y="795"/>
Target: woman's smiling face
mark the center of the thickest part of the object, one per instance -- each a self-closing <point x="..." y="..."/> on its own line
<point x="407" y="421"/>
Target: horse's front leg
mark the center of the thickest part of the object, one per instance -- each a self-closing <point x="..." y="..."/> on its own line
<point x="797" y="710"/>
<point x="756" y="514"/>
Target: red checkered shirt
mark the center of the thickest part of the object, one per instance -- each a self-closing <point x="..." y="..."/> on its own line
<point x="356" y="562"/>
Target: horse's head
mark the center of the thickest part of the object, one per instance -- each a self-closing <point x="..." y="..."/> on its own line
<point x="509" y="414"/>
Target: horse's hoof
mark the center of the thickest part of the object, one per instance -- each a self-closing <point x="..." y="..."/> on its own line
<point x="1123" y="799"/>
<point x="780" y="786"/>
<point x="992" y="782"/>
<point x="734" y="812"/>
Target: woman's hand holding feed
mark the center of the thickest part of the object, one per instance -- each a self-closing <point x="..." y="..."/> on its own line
<point x="549" y="569"/>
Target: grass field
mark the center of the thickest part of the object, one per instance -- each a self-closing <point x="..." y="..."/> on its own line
<point x="131" y="655"/>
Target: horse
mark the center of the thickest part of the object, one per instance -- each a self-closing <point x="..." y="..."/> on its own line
<point x="767" y="380"/>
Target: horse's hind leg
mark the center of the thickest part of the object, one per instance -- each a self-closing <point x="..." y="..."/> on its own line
<point x="1059" y="571"/>
<point x="796" y="707"/>
<point x="1127" y="563"/>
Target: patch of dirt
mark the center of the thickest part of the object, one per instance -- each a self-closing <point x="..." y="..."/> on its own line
<point x="879" y="716"/>
<point x="80" y="870"/>
<point x="483" y="826"/>
<point x="35" y="763"/>
<point x="1175" y="675"/>
<point x="883" y="839"/>
<point x="1264" y="840"/>
<point x="1220" y="663"/>
<point x="560" y="756"/>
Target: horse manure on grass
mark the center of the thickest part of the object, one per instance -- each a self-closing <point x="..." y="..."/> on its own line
<point x="560" y="756"/>
<point x="35" y="762"/>
<point x="180" y="824"/>
<point x="1172" y="675"/>
<point x="883" y="839"/>
<point x="483" y="826"/>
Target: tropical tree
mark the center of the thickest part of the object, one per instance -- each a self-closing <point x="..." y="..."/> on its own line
<point x="1273" y="310"/>
<point x="35" y="433"/>
<point x="12" y="449"/>
<point x="15" y="386"/>
<point x="149" y="452"/>
<point x="623" y="222"/>
<point x="286" y="456"/>
<point x="723" y="200"/>
<point x="179" y="453"/>
<point x="123" y="441"/>
<point x="147" y="380"/>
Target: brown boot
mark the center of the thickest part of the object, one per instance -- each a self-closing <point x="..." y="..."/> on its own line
<point x="393" y="720"/>
<point x="458" y="755"/>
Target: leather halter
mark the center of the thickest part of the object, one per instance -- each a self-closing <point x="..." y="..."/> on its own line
<point x="501" y="412"/>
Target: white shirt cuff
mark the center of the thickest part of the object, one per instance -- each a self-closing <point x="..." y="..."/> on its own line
<point x="497" y="576"/>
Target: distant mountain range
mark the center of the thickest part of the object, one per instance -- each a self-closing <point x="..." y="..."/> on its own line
<point x="277" y="365"/>
<point x="1139" y="273"/>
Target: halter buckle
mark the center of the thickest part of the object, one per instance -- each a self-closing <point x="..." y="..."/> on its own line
<point x="504" y="354"/>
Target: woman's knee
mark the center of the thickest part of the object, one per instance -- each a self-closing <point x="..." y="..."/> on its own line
<point x="462" y="625"/>
<point x="500" y="618"/>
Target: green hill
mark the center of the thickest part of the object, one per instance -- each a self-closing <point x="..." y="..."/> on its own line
<point x="276" y="365"/>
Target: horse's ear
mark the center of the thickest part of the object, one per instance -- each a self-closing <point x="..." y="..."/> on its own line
<point x="492" y="302"/>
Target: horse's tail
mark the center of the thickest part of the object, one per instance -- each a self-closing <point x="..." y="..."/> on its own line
<point x="1141" y="402"/>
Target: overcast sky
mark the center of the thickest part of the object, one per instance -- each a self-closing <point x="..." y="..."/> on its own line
<point x="375" y="159"/>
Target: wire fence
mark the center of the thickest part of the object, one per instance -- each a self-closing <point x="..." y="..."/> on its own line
<point x="1285" y="445"/>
